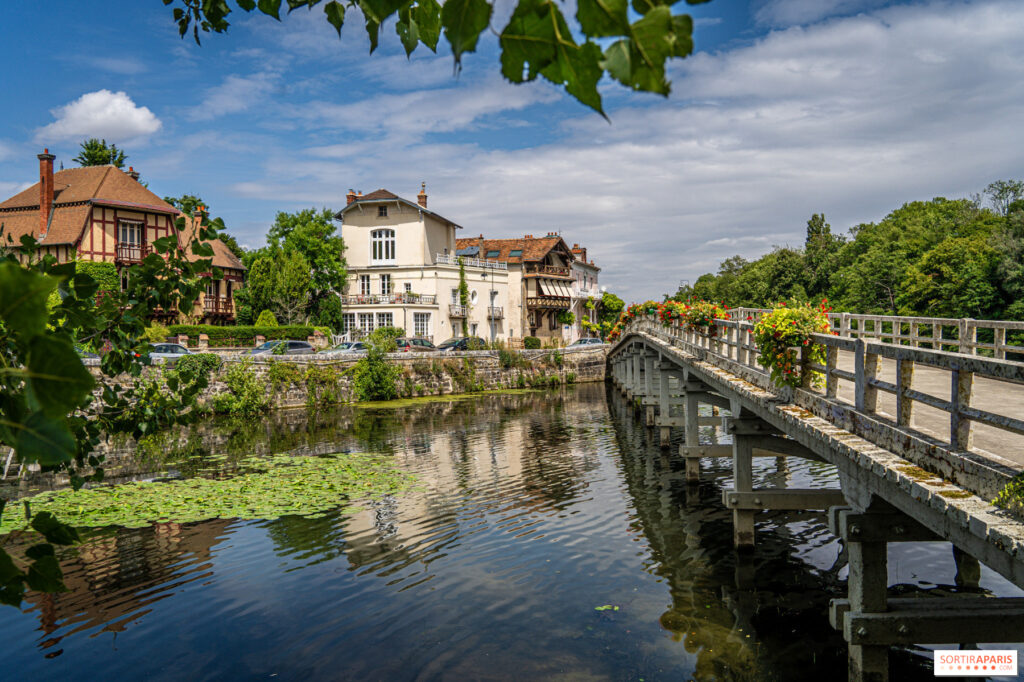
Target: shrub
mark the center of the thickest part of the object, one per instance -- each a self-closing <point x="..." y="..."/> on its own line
<point x="784" y="329"/>
<point x="156" y="333"/>
<point x="570" y="377"/>
<point x="239" y="335"/>
<point x="521" y="381"/>
<point x="531" y="342"/>
<point x="266" y="319"/>
<point x="192" y="367"/>
<point x="322" y="386"/>
<point x="282" y="375"/>
<point x="566" y="317"/>
<point x="104" y="274"/>
<point x="375" y="377"/>
<point x="555" y="359"/>
<point x="246" y="395"/>
<point x="508" y="359"/>
<point x="554" y="381"/>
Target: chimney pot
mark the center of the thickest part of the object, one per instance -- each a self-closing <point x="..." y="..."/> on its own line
<point x="45" y="190"/>
<point x="350" y="197"/>
<point x="421" y="198"/>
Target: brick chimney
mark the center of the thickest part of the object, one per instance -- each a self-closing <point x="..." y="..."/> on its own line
<point x="45" y="190"/>
<point x="529" y="236"/>
<point x="350" y="197"/>
<point x="133" y="174"/>
<point x="421" y="198"/>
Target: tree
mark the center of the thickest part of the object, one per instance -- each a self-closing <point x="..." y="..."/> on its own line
<point x="266" y="319"/>
<point x="97" y="153"/>
<point x="954" y="279"/>
<point x="820" y="250"/>
<point x="188" y="204"/>
<point x="538" y="40"/>
<point x="312" y="234"/>
<point x="291" y="293"/>
<point x="260" y="282"/>
<point x="1003" y="193"/>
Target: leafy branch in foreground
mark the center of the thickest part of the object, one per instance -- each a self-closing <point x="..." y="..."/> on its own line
<point x="53" y="411"/>
<point x="640" y="36"/>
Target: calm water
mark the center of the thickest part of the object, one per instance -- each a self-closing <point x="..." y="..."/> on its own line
<point x="532" y="511"/>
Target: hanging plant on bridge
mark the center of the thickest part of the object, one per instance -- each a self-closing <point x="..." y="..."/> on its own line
<point x="786" y="331"/>
<point x="700" y="316"/>
<point x="672" y="311"/>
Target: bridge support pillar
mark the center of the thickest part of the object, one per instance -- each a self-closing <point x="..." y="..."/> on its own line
<point x="692" y="438"/>
<point x="968" y="569"/>
<point x="664" y="405"/>
<point x="743" y="482"/>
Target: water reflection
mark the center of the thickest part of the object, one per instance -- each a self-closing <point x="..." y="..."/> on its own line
<point x="531" y="512"/>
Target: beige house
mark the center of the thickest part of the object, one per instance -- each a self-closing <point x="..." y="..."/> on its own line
<point x="101" y="213"/>
<point x="404" y="272"/>
<point x="584" y="289"/>
<point x="540" y="281"/>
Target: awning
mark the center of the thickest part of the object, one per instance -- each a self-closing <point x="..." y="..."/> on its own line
<point x="550" y="287"/>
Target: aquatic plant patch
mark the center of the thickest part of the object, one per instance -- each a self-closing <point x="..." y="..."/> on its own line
<point x="272" y="487"/>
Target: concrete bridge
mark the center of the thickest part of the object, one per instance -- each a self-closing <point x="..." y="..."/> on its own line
<point x="922" y="438"/>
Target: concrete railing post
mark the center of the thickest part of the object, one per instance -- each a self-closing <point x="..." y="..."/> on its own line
<point x="204" y="342"/>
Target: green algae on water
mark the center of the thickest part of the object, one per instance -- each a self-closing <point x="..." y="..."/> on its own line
<point x="272" y="487"/>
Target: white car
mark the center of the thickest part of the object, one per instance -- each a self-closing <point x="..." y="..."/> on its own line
<point x="586" y="342"/>
<point x="167" y="353"/>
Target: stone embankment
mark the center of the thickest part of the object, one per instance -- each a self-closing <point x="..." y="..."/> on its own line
<point x="422" y="374"/>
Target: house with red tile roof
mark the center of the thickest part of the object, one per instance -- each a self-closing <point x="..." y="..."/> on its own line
<point x="102" y="213"/>
<point x="404" y="272"/>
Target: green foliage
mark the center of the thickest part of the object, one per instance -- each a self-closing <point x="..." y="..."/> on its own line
<point x="282" y="375"/>
<point x="240" y="335"/>
<point x="156" y="333"/>
<point x="192" y="368"/>
<point x="48" y="411"/>
<point x="322" y="386"/>
<point x="537" y="40"/>
<point x="555" y="359"/>
<point x="463" y="295"/>
<point x="784" y="329"/>
<point x="1004" y="193"/>
<point x="531" y="343"/>
<point x="570" y="377"/>
<point x="96" y="152"/>
<point x="520" y="381"/>
<point x="566" y="317"/>
<point x="266" y="319"/>
<point x="1012" y="496"/>
<point x="246" y="395"/>
<point x="374" y="376"/>
<point x="509" y="359"/>
<point x="269" y="487"/>
<point x="189" y="202"/>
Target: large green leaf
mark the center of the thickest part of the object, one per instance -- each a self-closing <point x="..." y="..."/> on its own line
<point x="44" y="574"/>
<point x="639" y="61"/>
<point x="463" y="22"/>
<point x="601" y="18"/>
<point x="57" y="380"/>
<point x="335" y="12"/>
<point x="419" y="23"/>
<point x="53" y="530"/>
<point x="23" y="296"/>
<point x="44" y="439"/>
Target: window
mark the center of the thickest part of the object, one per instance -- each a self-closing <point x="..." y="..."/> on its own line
<point x="382" y="243"/>
<point x="408" y="287"/>
<point x="495" y="254"/>
<point x="129" y="233"/>
<point x="348" y="322"/>
<point x="385" y="285"/>
<point x="385" y="320"/>
<point x="455" y="296"/>
<point x="515" y="253"/>
<point x="421" y="324"/>
<point x="552" y="321"/>
<point x="382" y="211"/>
<point x="472" y="329"/>
<point x="364" y="285"/>
<point x="366" y="322"/>
<point x="124" y="279"/>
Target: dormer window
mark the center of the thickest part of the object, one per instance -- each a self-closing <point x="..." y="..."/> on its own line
<point x="382" y="247"/>
<point x="382" y="211"/>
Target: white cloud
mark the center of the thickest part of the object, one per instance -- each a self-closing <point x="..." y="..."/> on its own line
<point x="128" y="66"/>
<point x="794" y="12"/>
<point x="109" y="115"/>
<point x="234" y="94"/>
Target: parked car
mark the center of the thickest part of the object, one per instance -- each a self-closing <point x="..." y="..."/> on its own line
<point x="290" y="348"/>
<point x="462" y="343"/>
<point x="414" y="345"/>
<point x="167" y="353"/>
<point x="586" y="342"/>
<point x="343" y="349"/>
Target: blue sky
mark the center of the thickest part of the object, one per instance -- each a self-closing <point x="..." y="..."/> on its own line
<point x="789" y="107"/>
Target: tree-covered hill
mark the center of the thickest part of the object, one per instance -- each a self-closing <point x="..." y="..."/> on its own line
<point x="943" y="258"/>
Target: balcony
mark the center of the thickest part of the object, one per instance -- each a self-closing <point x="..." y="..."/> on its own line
<point x="593" y="292"/>
<point x="541" y="270"/>
<point x="446" y="259"/>
<point x="548" y="302"/>
<point x="218" y="305"/>
<point x="495" y="312"/>
<point x="131" y="253"/>
<point x="455" y="310"/>
<point x="404" y="298"/>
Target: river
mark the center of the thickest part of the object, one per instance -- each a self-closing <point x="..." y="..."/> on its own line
<point x="546" y="537"/>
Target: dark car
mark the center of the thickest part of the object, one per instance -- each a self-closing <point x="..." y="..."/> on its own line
<point x="414" y="345"/>
<point x="462" y="343"/>
<point x="290" y="348"/>
<point x="586" y="342"/>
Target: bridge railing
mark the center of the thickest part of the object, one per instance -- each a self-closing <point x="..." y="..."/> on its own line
<point x="734" y="342"/>
<point x="992" y="338"/>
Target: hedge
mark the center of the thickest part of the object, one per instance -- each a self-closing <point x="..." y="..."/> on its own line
<point x="104" y="274"/>
<point x="242" y="335"/>
<point x="531" y="342"/>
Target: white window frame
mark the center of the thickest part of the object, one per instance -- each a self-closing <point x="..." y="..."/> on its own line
<point x="455" y="297"/>
<point x="385" y="285"/>
<point x="382" y="247"/>
<point x="421" y="324"/>
<point x="365" y="288"/>
<point x="385" y="320"/>
<point x="408" y="287"/>
<point x="129" y="232"/>
<point x="348" y="322"/>
<point x="366" y="322"/>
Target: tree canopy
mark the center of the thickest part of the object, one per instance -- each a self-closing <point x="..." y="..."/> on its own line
<point x="630" y="42"/>
<point x="96" y="152"/>
<point x="943" y="258"/>
<point x="188" y="204"/>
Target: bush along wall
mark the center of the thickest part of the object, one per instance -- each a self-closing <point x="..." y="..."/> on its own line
<point x="241" y="335"/>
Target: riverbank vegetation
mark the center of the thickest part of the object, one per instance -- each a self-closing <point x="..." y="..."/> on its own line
<point x="942" y="258"/>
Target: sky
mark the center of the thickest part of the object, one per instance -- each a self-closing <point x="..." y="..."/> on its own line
<point x="787" y="108"/>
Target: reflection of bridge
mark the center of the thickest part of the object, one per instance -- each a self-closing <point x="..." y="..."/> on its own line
<point x="898" y="422"/>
